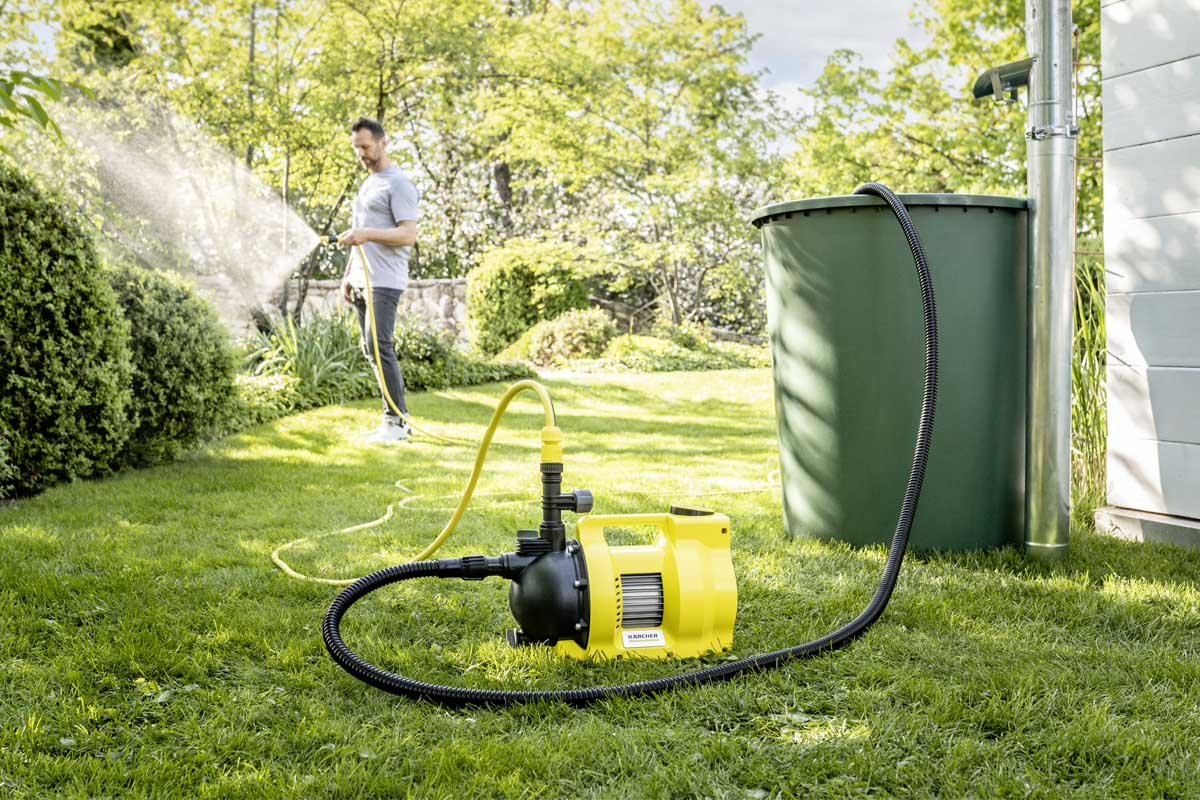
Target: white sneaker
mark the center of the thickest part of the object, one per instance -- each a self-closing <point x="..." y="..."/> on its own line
<point x="390" y="431"/>
<point x="367" y="434"/>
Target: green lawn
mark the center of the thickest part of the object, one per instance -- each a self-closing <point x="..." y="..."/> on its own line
<point x="149" y="648"/>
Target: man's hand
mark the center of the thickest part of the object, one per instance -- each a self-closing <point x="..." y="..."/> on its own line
<point x="354" y="236"/>
<point x="347" y="291"/>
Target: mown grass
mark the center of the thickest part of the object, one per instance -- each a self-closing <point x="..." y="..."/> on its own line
<point x="149" y="649"/>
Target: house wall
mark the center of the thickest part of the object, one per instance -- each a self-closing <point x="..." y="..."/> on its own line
<point x="1151" y="85"/>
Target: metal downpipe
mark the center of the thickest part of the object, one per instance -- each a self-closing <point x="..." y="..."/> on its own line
<point x="1051" y="179"/>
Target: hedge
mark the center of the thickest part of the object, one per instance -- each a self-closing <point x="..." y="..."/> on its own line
<point x="64" y="357"/>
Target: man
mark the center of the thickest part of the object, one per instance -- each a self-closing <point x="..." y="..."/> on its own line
<point x="385" y="224"/>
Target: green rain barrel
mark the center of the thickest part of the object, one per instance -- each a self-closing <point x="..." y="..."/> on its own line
<point x="847" y="348"/>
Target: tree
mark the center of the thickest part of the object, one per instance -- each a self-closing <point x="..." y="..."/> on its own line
<point x="634" y="128"/>
<point x="645" y="115"/>
<point x="921" y="130"/>
<point x="24" y="88"/>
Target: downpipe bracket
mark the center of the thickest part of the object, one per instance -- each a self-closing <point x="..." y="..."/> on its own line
<point x="1039" y="133"/>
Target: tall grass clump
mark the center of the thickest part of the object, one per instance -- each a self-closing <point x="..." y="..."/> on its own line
<point x="322" y="354"/>
<point x="1089" y="425"/>
<point x="320" y="361"/>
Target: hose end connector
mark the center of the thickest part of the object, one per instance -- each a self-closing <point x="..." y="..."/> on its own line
<point x="552" y="448"/>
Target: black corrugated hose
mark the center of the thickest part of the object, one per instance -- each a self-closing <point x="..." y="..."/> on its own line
<point x="447" y="568"/>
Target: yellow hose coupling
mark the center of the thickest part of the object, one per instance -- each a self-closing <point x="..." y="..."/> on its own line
<point x="552" y="451"/>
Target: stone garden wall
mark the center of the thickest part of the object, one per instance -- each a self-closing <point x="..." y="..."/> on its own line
<point x="441" y="302"/>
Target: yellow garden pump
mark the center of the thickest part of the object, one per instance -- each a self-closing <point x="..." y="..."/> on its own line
<point x="674" y="597"/>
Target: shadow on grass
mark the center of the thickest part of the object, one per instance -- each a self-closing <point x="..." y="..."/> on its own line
<point x="1091" y="557"/>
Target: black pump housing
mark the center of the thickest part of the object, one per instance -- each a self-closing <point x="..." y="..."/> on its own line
<point x="549" y="599"/>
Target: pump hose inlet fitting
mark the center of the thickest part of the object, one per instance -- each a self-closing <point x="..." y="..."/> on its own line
<point x="475" y="567"/>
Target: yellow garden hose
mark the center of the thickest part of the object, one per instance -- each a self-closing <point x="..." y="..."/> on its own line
<point x="551" y="452"/>
<point x="770" y="483"/>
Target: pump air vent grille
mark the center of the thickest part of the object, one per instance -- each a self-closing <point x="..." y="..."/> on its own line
<point x="640" y="603"/>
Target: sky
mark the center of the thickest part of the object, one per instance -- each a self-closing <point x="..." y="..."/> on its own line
<point x="797" y="36"/>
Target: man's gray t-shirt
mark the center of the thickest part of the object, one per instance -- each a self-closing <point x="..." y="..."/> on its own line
<point x="385" y="199"/>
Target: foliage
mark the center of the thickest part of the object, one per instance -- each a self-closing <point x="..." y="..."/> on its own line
<point x="462" y="369"/>
<point x="650" y="354"/>
<point x="735" y="297"/>
<point x="430" y="360"/>
<point x="690" y="336"/>
<point x="918" y="131"/>
<point x="182" y="365"/>
<point x="19" y="92"/>
<point x="25" y="85"/>
<point x="516" y="120"/>
<point x="322" y="354"/>
<point x="64" y="347"/>
<point x="519" y="350"/>
<point x="575" y="334"/>
<point x="320" y="361"/>
<point x="519" y="285"/>
<point x="1089" y="421"/>
<point x="278" y="85"/>
<point x="25" y="91"/>
<point x="262" y="398"/>
<point x="587" y="341"/>
<point x="648" y="111"/>
<point x="8" y="471"/>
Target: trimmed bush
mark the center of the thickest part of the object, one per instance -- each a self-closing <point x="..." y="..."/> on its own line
<point x="64" y="355"/>
<point x="744" y="355"/>
<point x="689" y="335"/>
<point x="649" y="354"/>
<point x="576" y="334"/>
<point x="183" y="366"/>
<point x="519" y="285"/>
<point x="518" y="350"/>
<point x="8" y="473"/>
<point x="569" y="336"/>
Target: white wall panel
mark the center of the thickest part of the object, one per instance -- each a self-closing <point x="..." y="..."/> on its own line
<point x="1152" y="255"/>
<point x="1152" y="180"/>
<point x="1138" y="34"/>
<point x="1154" y="329"/>
<point x="1150" y="61"/>
<point x="1160" y="477"/>
<point x="1154" y="403"/>
<point x="1152" y="104"/>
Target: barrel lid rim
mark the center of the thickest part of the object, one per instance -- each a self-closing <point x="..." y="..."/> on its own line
<point x="765" y="213"/>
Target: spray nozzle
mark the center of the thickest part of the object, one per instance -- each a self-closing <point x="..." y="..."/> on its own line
<point x="328" y="239"/>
